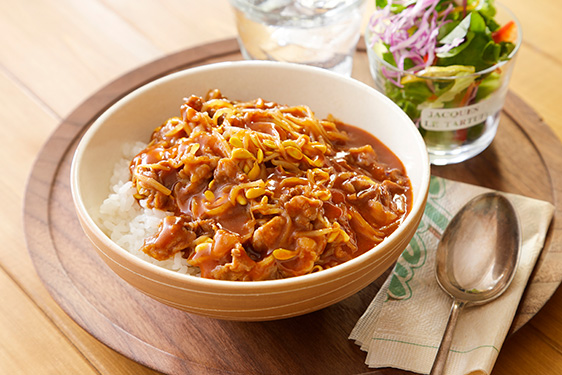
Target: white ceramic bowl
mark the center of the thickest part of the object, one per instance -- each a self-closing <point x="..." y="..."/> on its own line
<point x="135" y="116"/>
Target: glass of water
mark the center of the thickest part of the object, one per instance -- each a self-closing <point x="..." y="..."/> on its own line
<point x="321" y="33"/>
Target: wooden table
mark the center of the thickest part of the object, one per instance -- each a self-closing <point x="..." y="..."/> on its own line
<point x="56" y="54"/>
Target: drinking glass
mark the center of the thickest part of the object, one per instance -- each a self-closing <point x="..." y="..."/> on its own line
<point x="321" y="33"/>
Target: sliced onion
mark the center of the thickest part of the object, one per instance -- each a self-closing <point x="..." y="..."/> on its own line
<point x="394" y="30"/>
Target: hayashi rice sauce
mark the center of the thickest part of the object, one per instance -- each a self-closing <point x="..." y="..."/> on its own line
<point x="258" y="190"/>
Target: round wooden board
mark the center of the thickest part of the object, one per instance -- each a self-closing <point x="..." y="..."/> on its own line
<point x="525" y="158"/>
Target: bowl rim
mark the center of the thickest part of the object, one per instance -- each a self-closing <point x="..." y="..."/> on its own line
<point x="340" y="271"/>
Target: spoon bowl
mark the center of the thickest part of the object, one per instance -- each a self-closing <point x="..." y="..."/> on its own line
<point x="476" y="258"/>
<point x="478" y="253"/>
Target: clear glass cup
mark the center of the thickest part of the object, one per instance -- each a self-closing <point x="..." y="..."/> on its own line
<point x="458" y="115"/>
<point x="321" y="33"/>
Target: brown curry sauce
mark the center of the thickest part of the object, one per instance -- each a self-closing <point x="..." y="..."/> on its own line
<point x="257" y="190"/>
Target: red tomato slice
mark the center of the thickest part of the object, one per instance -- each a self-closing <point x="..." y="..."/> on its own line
<point x="507" y="33"/>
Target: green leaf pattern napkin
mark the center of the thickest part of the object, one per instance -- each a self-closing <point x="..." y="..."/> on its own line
<point x="404" y="324"/>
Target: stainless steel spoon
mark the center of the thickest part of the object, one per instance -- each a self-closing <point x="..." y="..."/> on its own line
<point x="476" y="258"/>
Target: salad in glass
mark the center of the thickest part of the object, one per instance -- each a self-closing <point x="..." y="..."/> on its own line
<point x="447" y="64"/>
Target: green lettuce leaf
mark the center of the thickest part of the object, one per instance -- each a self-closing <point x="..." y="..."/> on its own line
<point x="475" y="50"/>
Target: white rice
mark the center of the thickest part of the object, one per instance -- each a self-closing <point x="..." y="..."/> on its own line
<point x="126" y="222"/>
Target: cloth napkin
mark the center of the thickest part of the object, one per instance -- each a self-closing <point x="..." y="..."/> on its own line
<point x="404" y="324"/>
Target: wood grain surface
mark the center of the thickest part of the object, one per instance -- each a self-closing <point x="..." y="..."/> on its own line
<point x="524" y="158"/>
<point x="56" y="54"/>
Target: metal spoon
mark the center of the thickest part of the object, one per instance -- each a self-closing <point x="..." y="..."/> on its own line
<point x="476" y="258"/>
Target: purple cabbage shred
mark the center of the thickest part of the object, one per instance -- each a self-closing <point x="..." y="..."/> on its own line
<point x="410" y="34"/>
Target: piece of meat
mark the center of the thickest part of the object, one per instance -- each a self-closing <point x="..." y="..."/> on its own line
<point x="363" y="156"/>
<point x="226" y="171"/>
<point x="268" y="236"/>
<point x="172" y="236"/>
<point x="379" y="214"/>
<point x="237" y="269"/>
<point x="195" y="102"/>
<point x="308" y="250"/>
<point x="223" y="242"/>
<point x="303" y="210"/>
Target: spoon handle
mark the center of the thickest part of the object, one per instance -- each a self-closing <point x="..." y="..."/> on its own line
<point x="443" y="352"/>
